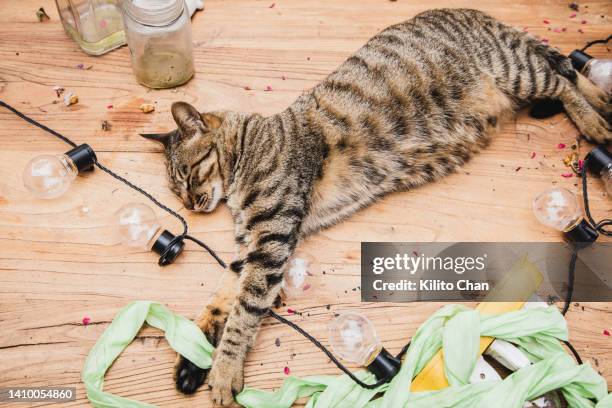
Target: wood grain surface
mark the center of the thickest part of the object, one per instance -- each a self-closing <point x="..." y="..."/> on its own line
<point x="61" y="260"/>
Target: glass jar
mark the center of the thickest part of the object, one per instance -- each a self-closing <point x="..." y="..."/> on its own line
<point x="159" y="38"/>
<point x="95" y="25"/>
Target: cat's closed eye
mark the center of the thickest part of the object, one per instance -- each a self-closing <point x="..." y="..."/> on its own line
<point x="184" y="172"/>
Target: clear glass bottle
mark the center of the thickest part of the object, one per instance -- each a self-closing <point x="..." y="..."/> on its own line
<point x="95" y="25"/>
<point x="159" y="38"/>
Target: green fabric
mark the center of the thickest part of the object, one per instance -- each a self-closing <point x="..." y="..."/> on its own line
<point x="454" y="328"/>
<point x="183" y="335"/>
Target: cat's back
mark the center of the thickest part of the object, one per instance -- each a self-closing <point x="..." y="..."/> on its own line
<point x="409" y="106"/>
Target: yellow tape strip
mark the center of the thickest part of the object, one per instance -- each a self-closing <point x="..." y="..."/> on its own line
<point x="521" y="282"/>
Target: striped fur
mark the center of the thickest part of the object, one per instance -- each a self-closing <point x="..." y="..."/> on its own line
<point x="413" y="104"/>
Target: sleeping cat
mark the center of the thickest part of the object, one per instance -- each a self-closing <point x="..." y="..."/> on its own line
<point x="414" y="103"/>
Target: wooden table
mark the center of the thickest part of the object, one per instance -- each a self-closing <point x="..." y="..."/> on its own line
<point x="61" y="261"/>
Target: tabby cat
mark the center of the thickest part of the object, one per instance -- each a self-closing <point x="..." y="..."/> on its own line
<point x="413" y="104"/>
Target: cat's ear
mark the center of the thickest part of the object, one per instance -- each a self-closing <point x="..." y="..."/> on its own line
<point x="189" y="120"/>
<point x="163" y="138"/>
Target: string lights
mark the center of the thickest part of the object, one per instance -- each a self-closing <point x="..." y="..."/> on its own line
<point x="599" y="162"/>
<point x="140" y="228"/>
<point x="598" y="70"/>
<point x="351" y="335"/>
<point x="49" y="176"/>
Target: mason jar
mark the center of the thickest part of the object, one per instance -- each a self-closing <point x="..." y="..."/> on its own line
<point x="95" y="25"/>
<point x="158" y="34"/>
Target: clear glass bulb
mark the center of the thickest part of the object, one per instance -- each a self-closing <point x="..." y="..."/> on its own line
<point x="301" y="271"/>
<point x="599" y="71"/>
<point x="353" y="337"/>
<point x="138" y="225"/>
<point x="557" y="208"/>
<point x="49" y="176"/>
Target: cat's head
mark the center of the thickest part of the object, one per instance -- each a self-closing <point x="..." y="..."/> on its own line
<point x="193" y="159"/>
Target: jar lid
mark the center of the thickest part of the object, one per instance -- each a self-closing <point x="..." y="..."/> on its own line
<point x="156" y="13"/>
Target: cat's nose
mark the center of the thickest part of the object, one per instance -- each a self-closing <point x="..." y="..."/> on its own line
<point x="188" y="203"/>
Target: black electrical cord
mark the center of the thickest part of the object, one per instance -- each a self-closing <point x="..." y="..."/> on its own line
<point x="591" y="43"/>
<point x="599" y="226"/>
<point x="163" y="260"/>
<point x="186" y="236"/>
<point x="332" y="357"/>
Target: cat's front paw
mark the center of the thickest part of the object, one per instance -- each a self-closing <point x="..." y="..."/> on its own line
<point x="226" y="380"/>
<point x="187" y="376"/>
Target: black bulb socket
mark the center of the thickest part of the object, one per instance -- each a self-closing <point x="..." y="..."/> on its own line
<point x="168" y="246"/>
<point x="599" y="159"/>
<point x="384" y="365"/>
<point x="83" y="157"/>
<point x="582" y="234"/>
<point x="579" y="59"/>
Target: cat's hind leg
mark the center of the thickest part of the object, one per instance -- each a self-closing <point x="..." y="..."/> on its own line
<point x="596" y="96"/>
<point x="187" y="376"/>
<point x="588" y="120"/>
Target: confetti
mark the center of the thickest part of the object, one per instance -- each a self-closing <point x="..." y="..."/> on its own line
<point x="561" y="146"/>
<point x="287" y="371"/>
<point x="268" y="88"/>
<point x="42" y="15"/>
<point x="580" y="165"/>
<point x="583" y="22"/>
<point x="567" y="175"/>
<point x="307" y="286"/>
<point x="105" y="125"/>
<point x="103" y="23"/>
<point x="272" y="5"/>
<point x="86" y="320"/>
<point x="533" y="155"/>
<point x="70" y="98"/>
<point x="109" y="106"/>
<point x="290" y="311"/>
<point x="573" y="15"/>
<point x="518" y="168"/>
<point x="247" y="88"/>
<point x="580" y="31"/>
<point x="573" y="6"/>
<point x="277" y="342"/>
<point x="58" y="90"/>
<point x="606" y="332"/>
<point x="544" y="40"/>
<point x="558" y="30"/>
<point x="147" y="107"/>
<point x="546" y="21"/>
<point x="283" y="77"/>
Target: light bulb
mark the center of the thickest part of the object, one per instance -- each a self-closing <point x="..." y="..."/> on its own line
<point x="599" y="161"/>
<point x="49" y="176"/>
<point x="301" y="271"/>
<point x="353" y="337"/>
<point x="558" y="208"/>
<point x="598" y="70"/>
<point x="139" y="227"/>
